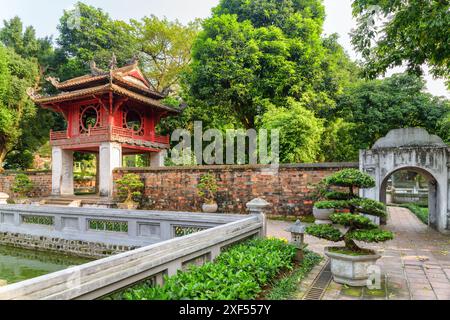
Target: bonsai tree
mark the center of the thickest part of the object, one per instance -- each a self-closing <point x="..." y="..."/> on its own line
<point x="130" y="188"/>
<point x="357" y="227"/>
<point x="22" y="185"/>
<point x="207" y="188"/>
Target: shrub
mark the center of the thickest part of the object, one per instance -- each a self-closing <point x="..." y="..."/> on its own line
<point x="237" y="274"/>
<point x="351" y="178"/>
<point x="130" y="188"/>
<point x="22" y="185"/>
<point x="338" y="195"/>
<point x="369" y="206"/>
<point x="331" y="205"/>
<point x="358" y="228"/>
<point x="207" y="188"/>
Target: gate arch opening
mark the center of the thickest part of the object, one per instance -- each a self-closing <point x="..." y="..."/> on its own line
<point x="432" y="187"/>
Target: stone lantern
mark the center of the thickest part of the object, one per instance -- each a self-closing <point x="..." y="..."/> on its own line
<point x="297" y="231"/>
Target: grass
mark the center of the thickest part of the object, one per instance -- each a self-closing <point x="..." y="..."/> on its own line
<point x="286" y="286"/>
<point x="421" y="212"/>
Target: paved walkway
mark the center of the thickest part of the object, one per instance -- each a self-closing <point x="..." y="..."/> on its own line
<point x="415" y="265"/>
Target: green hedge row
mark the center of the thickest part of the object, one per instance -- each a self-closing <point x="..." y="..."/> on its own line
<point x="237" y="274"/>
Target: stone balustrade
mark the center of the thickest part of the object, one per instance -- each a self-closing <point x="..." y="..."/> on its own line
<point x="93" y="232"/>
<point x="102" y="277"/>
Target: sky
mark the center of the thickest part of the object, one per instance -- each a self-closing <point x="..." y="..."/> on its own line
<point x="44" y="16"/>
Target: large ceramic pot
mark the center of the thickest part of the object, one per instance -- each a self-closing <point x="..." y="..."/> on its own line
<point x="210" y="208"/>
<point x="351" y="270"/>
<point x="322" y="215"/>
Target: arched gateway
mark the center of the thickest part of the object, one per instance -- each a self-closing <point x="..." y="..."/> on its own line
<point x="416" y="150"/>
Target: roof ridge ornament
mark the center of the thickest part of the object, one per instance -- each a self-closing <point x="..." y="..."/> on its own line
<point x="134" y="60"/>
<point x="33" y="94"/>
<point x="95" y="71"/>
<point x="54" y="81"/>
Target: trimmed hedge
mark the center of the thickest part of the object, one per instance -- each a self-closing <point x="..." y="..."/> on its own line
<point x="237" y="274"/>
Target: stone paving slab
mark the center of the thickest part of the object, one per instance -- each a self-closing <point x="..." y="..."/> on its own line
<point x="415" y="265"/>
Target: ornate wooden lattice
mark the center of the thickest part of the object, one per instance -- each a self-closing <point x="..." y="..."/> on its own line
<point x="133" y="120"/>
<point x="108" y="225"/>
<point x="90" y="118"/>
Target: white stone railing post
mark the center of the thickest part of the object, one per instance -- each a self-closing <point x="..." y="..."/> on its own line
<point x="259" y="207"/>
<point x="3" y="198"/>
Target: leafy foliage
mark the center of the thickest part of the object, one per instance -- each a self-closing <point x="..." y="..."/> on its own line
<point x="413" y="33"/>
<point x="16" y="75"/>
<point x="352" y="220"/>
<point x="359" y="228"/>
<point x="369" y="206"/>
<point x="130" y="187"/>
<point x="377" y="106"/>
<point x="329" y="204"/>
<point x="324" y="231"/>
<point x="237" y="274"/>
<point x="22" y="185"/>
<point x="207" y="188"/>
<point x="421" y="212"/>
<point x="369" y="236"/>
<point x="300" y="132"/>
<point x="351" y="178"/>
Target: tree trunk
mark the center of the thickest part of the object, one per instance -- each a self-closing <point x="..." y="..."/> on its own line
<point x="3" y="153"/>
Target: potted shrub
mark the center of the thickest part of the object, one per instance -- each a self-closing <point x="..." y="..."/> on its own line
<point x="130" y="190"/>
<point x="207" y="190"/>
<point x="21" y="187"/>
<point x="349" y="264"/>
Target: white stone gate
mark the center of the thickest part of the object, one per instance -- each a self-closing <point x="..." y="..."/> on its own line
<point x="416" y="150"/>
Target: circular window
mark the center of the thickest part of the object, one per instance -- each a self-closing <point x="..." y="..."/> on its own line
<point x="89" y="118"/>
<point x="133" y="121"/>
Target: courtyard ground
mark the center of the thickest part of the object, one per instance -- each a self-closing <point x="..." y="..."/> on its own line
<point x="415" y="265"/>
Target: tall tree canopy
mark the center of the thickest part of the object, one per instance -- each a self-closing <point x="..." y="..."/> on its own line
<point x="253" y="54"/>
<point x="378" y="106"/>
<point x="16" y="75"/>
<point x="392" y="33"/>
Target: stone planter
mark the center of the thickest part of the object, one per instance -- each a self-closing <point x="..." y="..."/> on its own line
<point x="351" y="270"/>
<point x="210" y="208"/>
<point x="128" y="206"/>
<point x="323" y="215"/>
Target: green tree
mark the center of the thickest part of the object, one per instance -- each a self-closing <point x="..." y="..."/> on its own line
<point x="16" y="75"/>
<point x="300" y="132"/>
<point x="412" y="33"/>
<point x="254" y="54"/>
<point x="375" y="107"/>
<point x="87" y="33"/>
<point x="34" y="129"/>
<point x="164" y="49"/>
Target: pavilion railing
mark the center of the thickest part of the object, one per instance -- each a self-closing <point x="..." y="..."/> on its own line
<point x="112" y="131"/>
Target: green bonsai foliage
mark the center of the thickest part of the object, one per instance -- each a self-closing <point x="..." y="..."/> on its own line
<point x="351" y="178"/>
<point x="358" y="227"/>
<point x="369" y="206"/>
<point x="22" y="185"/>
<point x="130" y="188"/>
<point x="207" y="188"/>
<point x="335" y="204"/>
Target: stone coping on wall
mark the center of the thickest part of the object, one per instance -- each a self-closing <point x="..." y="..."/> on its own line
<point x="29" y="173"/>
<point x="302" y="166"/>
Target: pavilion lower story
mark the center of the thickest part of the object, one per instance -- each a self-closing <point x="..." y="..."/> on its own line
<point x="109" y="157"/>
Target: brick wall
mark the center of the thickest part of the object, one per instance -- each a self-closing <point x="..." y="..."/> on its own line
<point x="288" y="189"/>
<point x="42" y="182"/>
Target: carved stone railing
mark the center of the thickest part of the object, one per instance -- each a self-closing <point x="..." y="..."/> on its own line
<point x="108" y="226"/>
<point x="103" y="277"/>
